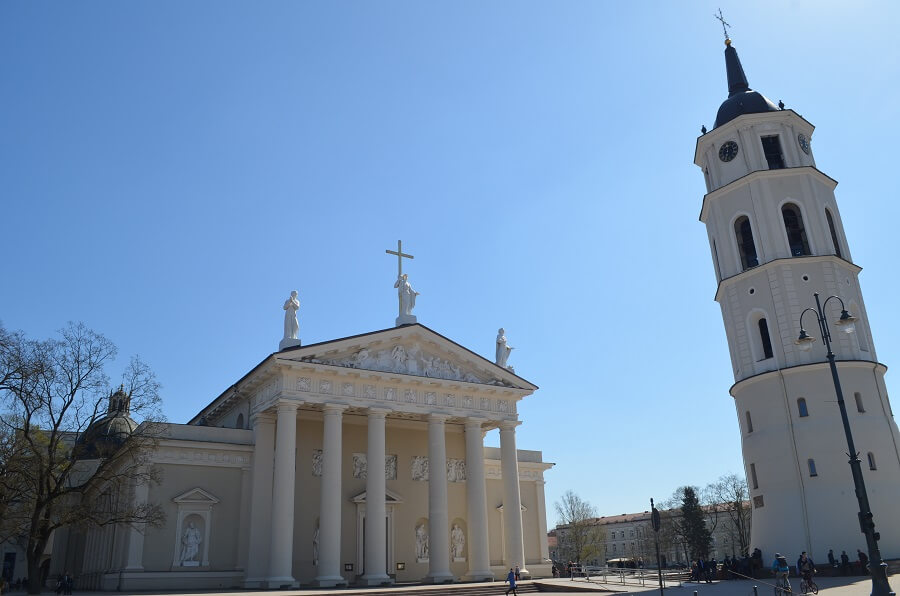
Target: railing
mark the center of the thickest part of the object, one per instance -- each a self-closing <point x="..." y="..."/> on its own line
<point x="629" y="576"/>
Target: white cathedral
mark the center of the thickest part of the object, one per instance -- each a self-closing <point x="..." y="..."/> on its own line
<point x="776" y="239"/>
<point x="356" y="461"/>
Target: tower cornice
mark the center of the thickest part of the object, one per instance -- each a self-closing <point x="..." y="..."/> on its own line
<point x="726" y="131"/>
<point x="759" y="175"/>
<point x="812" y="366"/>
<point x="738" y="277"/>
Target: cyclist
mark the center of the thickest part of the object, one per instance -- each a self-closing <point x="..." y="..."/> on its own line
<point x="805" y="567"/>
<point x="781" y="569"/>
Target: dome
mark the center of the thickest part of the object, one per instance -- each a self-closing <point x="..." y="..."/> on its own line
<point x="741" y="99"/>
<point x="107" y="434"/>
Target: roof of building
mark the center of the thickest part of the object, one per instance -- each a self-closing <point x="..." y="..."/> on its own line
<point x="741" y="99"/>
<point x="107" y="434"/>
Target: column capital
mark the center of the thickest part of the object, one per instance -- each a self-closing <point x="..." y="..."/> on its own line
<point x="509" y="424"/>
<point x="475" y="423"/>
<point x="262" y="418"/>
<point x="333" y="408"/>
<point x="378" y="412"/>
<point x="438" y="418"/>
<point x="286" y="405"/>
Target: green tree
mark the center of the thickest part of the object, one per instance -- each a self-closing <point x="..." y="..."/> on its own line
<point x="693" y="524"/>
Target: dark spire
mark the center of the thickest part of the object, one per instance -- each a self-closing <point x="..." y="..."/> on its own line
<point x="737" y="80"/>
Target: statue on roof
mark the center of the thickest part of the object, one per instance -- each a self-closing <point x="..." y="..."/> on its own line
<point x="291" y="326"/>
<point x="503" y="349"/>
<point x="407" y="295"/>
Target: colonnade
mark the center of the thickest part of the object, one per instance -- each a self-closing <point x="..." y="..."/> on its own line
<point x="272" y="512"/>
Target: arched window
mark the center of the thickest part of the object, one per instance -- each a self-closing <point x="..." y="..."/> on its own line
<point x="871" y="457"/>
<point x="801" y="407"/>
<point x="747" y="249"/>
<point x="749" y="421"/>
<point x="240" y="421"/>
<point x="796" y="233"/>
<point x="764" y="339"/>
<point x="834" y="238"/>
<point x="859" y="403"/>
<point x="812" y="467"/>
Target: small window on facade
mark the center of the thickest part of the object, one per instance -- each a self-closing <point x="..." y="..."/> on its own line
<point x="859" y="404"/>
<point x="772" y="149"/>
<point x="753" y="480"/>
<point x="812" y="467"/>
<point x="764" y="338"/>
<point x="747" y="249"/>
<point x="871" y="457"/>
<point x="801" y="408"/>
<point x="796" y="233"/>
<point x="240" y="421"/>
<point x="749" y="421"/>
<point x="834" y="238"/>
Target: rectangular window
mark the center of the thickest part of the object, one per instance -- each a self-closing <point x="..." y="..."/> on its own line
<point x="772" y="149"/>
<point x="812" y="467"/>
<point x="753" y="480"/>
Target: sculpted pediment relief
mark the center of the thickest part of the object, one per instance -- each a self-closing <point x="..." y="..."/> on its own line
<point x="409" y="358"/>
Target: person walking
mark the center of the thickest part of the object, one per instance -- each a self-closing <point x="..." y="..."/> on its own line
<point x="511" y="578"/>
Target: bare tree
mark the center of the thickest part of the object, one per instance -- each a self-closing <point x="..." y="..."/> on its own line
<point x="57" y="470"/>
<point x="731" y="494"/>
<point x="578" y="535"/>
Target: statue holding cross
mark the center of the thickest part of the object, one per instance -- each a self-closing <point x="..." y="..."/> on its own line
<point x="406" y="296"/>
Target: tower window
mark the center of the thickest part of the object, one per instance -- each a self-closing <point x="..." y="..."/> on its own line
<point x="753" y="480"/>
<point x="871" y="458"/>
<point x="834" y="238"/>
<point x="746" y="247"/>
<point x="764" y="338"/>
<point x="772" y="149"/>
<point x="812" y="467"/>
<point x="859" y="403"/>
<point x="240" y="421"/>
<point x="796" y="233"/>
<point x="801" y="407"/>
<point x="749" y="421"/>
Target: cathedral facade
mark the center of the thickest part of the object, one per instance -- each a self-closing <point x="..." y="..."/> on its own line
<point x="777" y="241"/>
<point x="358" y="461"/>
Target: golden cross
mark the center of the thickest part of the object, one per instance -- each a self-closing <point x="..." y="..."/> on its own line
<point x="722" y="20"/>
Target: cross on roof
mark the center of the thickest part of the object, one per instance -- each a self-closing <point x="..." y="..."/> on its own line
<point x="400" y="256"/>
<point x="725" y="25"/>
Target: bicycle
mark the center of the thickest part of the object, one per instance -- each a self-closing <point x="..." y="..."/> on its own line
<point x="808" y="587"/>
<point x="782" y="585"/>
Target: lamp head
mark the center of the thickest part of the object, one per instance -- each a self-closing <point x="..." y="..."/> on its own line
<point x="847" y="322"/>
<point x="805" y="342"/>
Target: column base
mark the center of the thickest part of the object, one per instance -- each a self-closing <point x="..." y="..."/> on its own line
<point x="282" y="583"/>
<point x="255" y="582"/>
<point x="330" y="581"/>
<point x="480" y="576"/>
<point x="375" y="580"/>
<point x="439" y="578"/>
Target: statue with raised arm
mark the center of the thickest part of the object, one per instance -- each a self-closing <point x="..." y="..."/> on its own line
<point x="291" y="326"/>
<point x="190" y="544"/>
<point x="407" y="295"/>
<point x="503" y="349"/>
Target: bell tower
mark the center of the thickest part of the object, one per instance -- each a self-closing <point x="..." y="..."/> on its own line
<point x="776" y="238"/>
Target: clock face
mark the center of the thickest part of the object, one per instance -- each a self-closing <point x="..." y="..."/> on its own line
<point x="728" y="151"/>
<point x="804" y="143"/>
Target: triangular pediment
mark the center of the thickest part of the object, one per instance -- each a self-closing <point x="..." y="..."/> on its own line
<point x="390" y="497"/>
<point x="409" y="350"/>
<point x="196" y="495"/>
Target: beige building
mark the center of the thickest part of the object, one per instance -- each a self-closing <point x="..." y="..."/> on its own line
<point x="272" y="483"/>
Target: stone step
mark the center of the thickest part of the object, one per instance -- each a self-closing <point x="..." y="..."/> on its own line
<point x="474" y="589"/>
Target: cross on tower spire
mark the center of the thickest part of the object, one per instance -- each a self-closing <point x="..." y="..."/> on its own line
<point x="400" y="256"/>
<point x="725" y="25"/>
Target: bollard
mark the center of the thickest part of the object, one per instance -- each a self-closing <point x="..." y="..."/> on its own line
<point x="696" y="592"/>
<point x="755" y="593"/>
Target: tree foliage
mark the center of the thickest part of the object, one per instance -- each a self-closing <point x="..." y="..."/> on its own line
<point x="693" y="523"/>
<point x="578" y="535"/>
<point x="732" y="497"/>
<point x="51" y="391"/>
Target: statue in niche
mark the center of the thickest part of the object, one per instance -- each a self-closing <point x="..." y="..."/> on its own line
<point x="503" y="349"/>
<point x="457" y="542"/>
<point x="398" y="355"/>
<point x="190" y="544"/>
<point x="421" y="543"/>
<point x="316" y="546"/>
<point x="407" y="295"/>
<point x="291" y="326"/>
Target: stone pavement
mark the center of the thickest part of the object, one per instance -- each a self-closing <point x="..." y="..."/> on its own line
<point x="832" y="586"/>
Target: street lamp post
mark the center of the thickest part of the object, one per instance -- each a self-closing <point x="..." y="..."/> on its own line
<point x="654" y="521"/>
<point x="880" y="585"/>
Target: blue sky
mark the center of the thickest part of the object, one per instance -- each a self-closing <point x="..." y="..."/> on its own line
<point x="169" y="171"/>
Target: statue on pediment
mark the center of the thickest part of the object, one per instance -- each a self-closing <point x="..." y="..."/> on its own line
<point x="407" y="295"/>
<point x="291" y="326"/>
<point x="503" y="349"/>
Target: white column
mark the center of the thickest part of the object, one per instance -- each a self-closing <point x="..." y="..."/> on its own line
<point x="542" y="520"/>
<point x="438" y="512"/>
<point x="135" y="561"/>
<point x="479" y="555"/>
<point x="244" y="519"/>
<point x="281" y="555"/>
<point x="512" y="500"/>
<point x="260" y="500"/>
<point x="376" y="525"/>
<point x="329" y="570"/>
